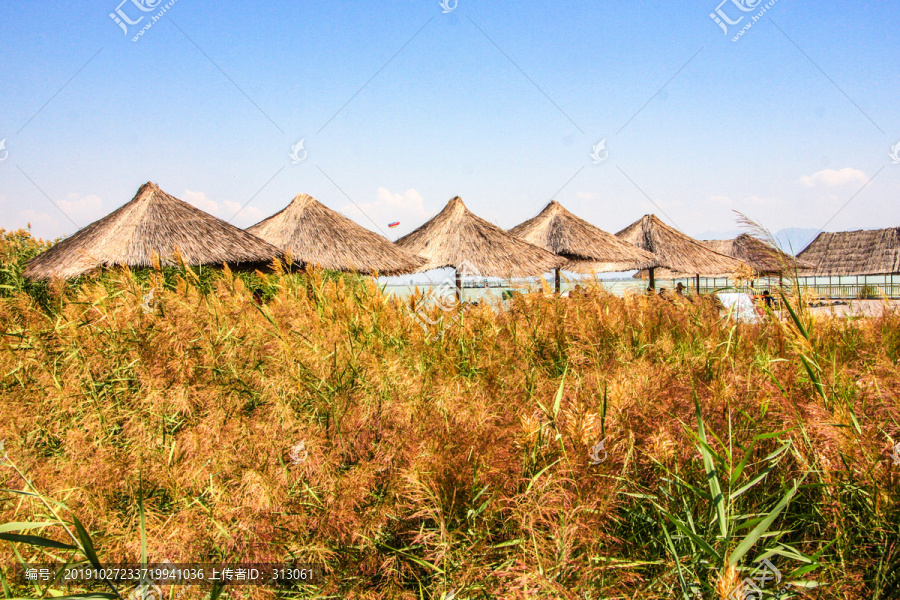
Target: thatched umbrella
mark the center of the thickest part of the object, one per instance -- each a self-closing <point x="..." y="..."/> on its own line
<point x="757" y="254"/>
<point x="764" y="259"/>
<point x="314" y="234"/>
<point x="586" y="248"/>
<point x="457" y="238"/>
<point x="152" y="224"/>
<point x="676" y="250"/>
<point x="871" y="252"/>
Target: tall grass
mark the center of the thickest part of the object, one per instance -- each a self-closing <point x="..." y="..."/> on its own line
<point x="452" y="465"/>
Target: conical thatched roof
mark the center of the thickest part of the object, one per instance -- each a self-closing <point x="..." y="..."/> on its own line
<point x="872" y="252"/>
<point x="675" y="250"/>
<point x="587" y="248"/>
<point x="314" y="234"/>
<point x="750" y="250"/>
<point x="153" y="223"/>
<point x="457" y="238"/>
<point x="758" y="255"/>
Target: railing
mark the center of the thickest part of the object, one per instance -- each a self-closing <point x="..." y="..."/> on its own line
<point x="843" y="291"/>
<point x="822" y="289"/>
<point x="857" y="290"/>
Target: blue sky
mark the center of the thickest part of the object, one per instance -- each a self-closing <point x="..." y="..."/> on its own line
<point x="402" y="106"/>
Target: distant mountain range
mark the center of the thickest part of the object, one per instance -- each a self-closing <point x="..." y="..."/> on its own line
<point x="793" y="239"/>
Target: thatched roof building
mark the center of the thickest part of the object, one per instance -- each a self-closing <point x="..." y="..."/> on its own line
<point x="675" y="250"/>
<point x="750" y="250"/>
<point x="457" y="238"/>
<point x="587" y="248"/>
<point x="314" y="234"/>
<point x="152" y="224"/>
<point x="870" y="252"/>
<point x="758" y="255"/>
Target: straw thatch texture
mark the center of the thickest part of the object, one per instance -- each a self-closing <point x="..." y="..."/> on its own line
<point x="871" y="252"/>
<point x="457" y="238"/>
<point x="153" y="223"/>
<point x="758" y="255"/>
<point x="314" y="234"/>
<point x="587" y="248"/>
<point x="750" y="250"/>
<point x="661" y="275"/>
<point x="675" y="250"/>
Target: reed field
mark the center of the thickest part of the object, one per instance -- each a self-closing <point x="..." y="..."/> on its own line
<point x="460" y="460"/>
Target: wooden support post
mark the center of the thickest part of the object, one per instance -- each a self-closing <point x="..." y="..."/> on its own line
<point x="697" y="281"/>
<point x="556" y="280"/>
<point x="652" y="271"/>
<point x="458" y="286"/>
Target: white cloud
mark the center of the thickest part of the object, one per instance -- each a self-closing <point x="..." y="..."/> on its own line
<point x="201" y="201"/>
<point x="82" y="209"/>
<point x="720" y="200"/>
<point x="53" y="223"/>
<point x="85" y="210"/>
<point x="250" y="215"/>
<point x="42" y="224"/>
<point x="833" y="178"/>
<point x="408" y="208"/>
<point x="587" y="195"/>
<point x="758" y="201"/>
